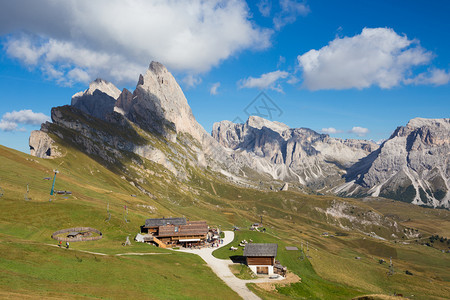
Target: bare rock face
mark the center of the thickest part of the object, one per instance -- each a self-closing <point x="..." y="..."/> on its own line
<point x="159" y="104"/>
<point x="413" y="165"/>
<point x="108" y="124"/>
<point x="298" y="154"/>
<point x="124" y="102"/>
<point x="98" y="84"/>
<point x="43" y="146"/>
<point x="98" y="100"/>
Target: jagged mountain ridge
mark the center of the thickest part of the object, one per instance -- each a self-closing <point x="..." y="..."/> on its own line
<point x="413" y="165"/>
<point x="298" y="154"/>
<point x="155" y="122"/>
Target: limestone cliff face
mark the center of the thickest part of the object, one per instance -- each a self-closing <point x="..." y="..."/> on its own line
<point x="42" y="145"/>
<point x="98" y="100"/>
<point x="107" y="123"/>
<point x="298" y="154"/>
<point x="413" y="165"/>
<point x="159" y="104"/>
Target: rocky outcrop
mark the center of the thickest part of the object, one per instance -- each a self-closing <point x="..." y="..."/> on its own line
<point x="158" y="104"/>
<point x="298" y="154"/>
<point x="98" y="100"/>
<point x="413" y="165"/>
<point x="148" y="123"/>
<point x="101" y="85"/>
<point x="42" y="145"/>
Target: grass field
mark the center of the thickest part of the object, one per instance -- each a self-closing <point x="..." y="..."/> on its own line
<point x="33" y="268"/>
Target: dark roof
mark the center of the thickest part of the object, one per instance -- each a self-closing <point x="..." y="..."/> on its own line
<point x="164" y="221"/>
<point x="256" y="249"/>
<point x="191" y="228"/>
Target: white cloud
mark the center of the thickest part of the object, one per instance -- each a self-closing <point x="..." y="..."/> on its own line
<point x="26" y="116"/>
<point x="214" y="87"/>
<point x="433" y="76"/>
<point x="281" y="61"/>
<point x="264" y="7"/>
<point x="293" y="80"/>
<point x="290" y="10"/>
<point x="24" y="50"/>
<point x="359" y="131"/>
<point x="331" y="130"/>
<point x="7" y="126"/>
<point x="191" y="80"/>
<point x="266" y="81"/>
<point x="117" y="40"/>
<point x="377" y="56"/>
<point x="11" y="120"/>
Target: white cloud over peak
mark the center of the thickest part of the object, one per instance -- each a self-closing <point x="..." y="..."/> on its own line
<point x="214" y="88"/>
<point x="266" y="81"/>
<point x="331" y="130"/>
<point x="376" y="57"/>
<point x="359" y="131"/>
<point x="117" y="40"/>
<point x="11" y="120"/>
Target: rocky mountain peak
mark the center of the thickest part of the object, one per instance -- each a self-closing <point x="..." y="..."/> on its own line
<point x="159" y="93"/>
<point x="422" y="122"/>
<point x="157" y="67"/>
<point x="98" y="84"/>
<point x="413" y="165"/>
<point x="290" y="154"/>
<point x="98" y="100"/>
<point x="259" y="123"/>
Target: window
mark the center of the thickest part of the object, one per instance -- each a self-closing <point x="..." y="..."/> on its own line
<point x="176" y="228"/>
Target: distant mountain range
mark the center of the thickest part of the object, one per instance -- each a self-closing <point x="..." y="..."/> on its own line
<point x="155" y="122"/>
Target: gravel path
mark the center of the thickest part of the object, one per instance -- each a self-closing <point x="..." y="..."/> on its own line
<point x="104" y="254"/>
<point x="222" y="270"/>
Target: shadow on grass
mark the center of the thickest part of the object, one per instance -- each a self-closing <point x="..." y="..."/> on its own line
<point x="238" y="259"/>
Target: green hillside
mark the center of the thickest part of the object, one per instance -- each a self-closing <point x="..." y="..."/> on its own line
<point x="34" y="267"/>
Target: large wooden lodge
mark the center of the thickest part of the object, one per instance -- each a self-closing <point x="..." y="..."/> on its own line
<point x="171" y="232"/>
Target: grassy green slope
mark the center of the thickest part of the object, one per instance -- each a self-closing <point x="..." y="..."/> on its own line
<point x="291" y="218"/>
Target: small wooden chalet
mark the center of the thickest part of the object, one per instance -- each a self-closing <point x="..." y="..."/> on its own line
<point x="261" y="257"/>
<point x="170" y="232"/>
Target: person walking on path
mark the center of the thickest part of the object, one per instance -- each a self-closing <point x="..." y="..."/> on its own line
<point x="60" y="244"/>
<point x="67" y="245"/>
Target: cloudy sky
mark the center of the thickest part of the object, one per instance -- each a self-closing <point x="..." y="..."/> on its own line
<point x="352" y="69"/>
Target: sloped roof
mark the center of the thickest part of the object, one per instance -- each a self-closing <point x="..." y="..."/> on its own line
<point x="191" y="228"/>
<point x="260" y="249"/>
<point x="164" y="221"/>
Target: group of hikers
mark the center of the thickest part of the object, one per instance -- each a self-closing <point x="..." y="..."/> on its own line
<point x="60" y="244"/>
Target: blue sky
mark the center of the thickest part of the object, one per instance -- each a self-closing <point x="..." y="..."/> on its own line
<point x="353" y="69"/>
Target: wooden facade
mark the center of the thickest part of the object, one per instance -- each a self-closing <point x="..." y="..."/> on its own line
<point x="170" y="232"/>
<point x="260" y="260"/>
